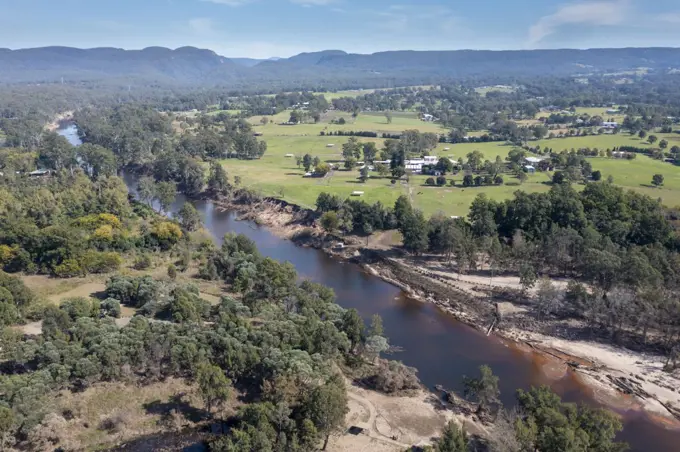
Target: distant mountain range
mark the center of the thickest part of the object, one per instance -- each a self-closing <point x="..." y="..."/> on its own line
<point x="199" y="67"/>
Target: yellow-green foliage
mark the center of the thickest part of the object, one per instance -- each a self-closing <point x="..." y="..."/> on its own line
<point x="104" y="232"/>
<point x="165" y="230"/>
<point x="98" y="220"/>
<point x="7" y="253"/>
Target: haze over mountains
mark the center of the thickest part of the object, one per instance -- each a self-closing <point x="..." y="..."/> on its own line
<point x="192" y="66"/>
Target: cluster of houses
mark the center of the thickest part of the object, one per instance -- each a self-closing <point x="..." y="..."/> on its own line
<point x="416" y="165"/>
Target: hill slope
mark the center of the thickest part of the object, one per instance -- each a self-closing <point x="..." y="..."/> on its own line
<point x="192" y="66"/>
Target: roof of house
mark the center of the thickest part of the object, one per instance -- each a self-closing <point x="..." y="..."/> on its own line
<point x="534" y="159"/>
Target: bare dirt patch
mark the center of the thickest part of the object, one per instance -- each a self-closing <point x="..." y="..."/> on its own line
<point x="91" y="290"/>
<point x="392" y="423"/>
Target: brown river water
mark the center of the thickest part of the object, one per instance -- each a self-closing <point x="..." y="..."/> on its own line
<point x="440" y="347"/>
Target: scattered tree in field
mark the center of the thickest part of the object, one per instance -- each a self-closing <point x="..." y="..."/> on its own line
<point x="483" y="389"/>
<point x="264" y="120"/>
<point x="657" y="180"/>
<point x="429" y="181"/>
<point x="307" y="162"/>
<point x="388" y="116"/>
<point x="363" y="173"/>
<point x="441" y="181"/>
<point x="316" y="161"/>
<point x="350" y="162"/>
<point x="596" y="175"/>
<point x="370" y="151"/>
<point x="652" y="139"/>
<point x="642" y="134"/>
<point x="322" y="169"/>
<point x="352" y="149"/>
<point x="663" y="144"/>
<point x="453" y="439"/>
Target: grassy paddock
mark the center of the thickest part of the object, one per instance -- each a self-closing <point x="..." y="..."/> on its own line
<point x="277" y="175"/>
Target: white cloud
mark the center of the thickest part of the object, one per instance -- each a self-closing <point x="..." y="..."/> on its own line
<point x="669" y="18"/>
<point x="312" y="2"/>
<point x="612" y="12"/>
<point x="229" y="2"/>
<point x="201" y="26"/>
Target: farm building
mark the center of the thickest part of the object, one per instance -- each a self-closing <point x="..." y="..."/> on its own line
<point x="533" y="160"/>
<point x="529" y="169"/>
<point x="610" y="125"/>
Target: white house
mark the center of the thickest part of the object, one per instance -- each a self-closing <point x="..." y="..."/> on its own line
<point x="610" y="125"/>
<point x="529" y="169"/>
<point x="533" y="160"/>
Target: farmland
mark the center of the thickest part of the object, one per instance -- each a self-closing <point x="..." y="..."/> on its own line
<point x="278" y="174"/>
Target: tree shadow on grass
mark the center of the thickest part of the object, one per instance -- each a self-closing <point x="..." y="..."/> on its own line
<point x="649" y="186"/>
<point x="177" y="403"/>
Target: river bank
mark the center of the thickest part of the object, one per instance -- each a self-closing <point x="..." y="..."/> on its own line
<point x="622" y="379"/>
<point x="59" y="120"/>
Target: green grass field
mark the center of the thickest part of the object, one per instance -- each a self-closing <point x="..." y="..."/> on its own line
<point x="278" y="175"/>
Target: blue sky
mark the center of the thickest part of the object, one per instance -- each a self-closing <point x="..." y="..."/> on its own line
<point x="265" y="28"/>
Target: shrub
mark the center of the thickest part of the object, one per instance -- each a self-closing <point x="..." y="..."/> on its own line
<point x="441" y="180"/>
<point x="69" y="268"/>
<point x="110" y="307"/>
<point x="80" y="307"/>
<point x="393" y="377"/>
<point x="96" y="262"/>
<point x="143" y="262"/>
<point x="429" y="181"/>
<point x="498" y="180"/>
<point x="172" y="272"/>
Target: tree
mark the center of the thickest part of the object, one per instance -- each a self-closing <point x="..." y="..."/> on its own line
<point x="264" y="120"/>
<point x="547" y="297"/>
<point x="441" y="181"/>
<point x="307" y="162"/>
<point x="7" y="426"/>
<point x="166" y="192"/>
<point x="146" y="189"/>
<point x="353" y="326"/>
<point x="468" y="180"/>
<point x="522" y="176"/>
<point x="657" y="180"/>
<point x="218" y="181"/>
<point x="327" y="406"/>
<point x="316" y="161"/>
<point x="663" y="144"/>
<point x="189" y="217"/>
<point x="213" y="385"/>
<point x="388" y="116"/>
<point x="549" y="425"/>
<point x="527" y="277"/>
<point x="429" y="181"/>
<point x="377" y="328"/>
<point x="414" y="232"/>
<point x="350" y="162"/>
<point x="596" y="175"/>
<point x="444" y="165"/>
<point x="642" y="134"/>
<point x="370" y="151"/>
<point x="483" y="389"/>
<point x="330" y="222"/>
<point x="652" y="139"/>
<point x="453" y="439"/>
<point x="363" y="173"/>
<point x="475" y="159"/>
<point x="352" y="149"/>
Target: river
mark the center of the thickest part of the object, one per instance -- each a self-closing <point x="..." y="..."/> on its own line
<point x="440" y="347"/>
